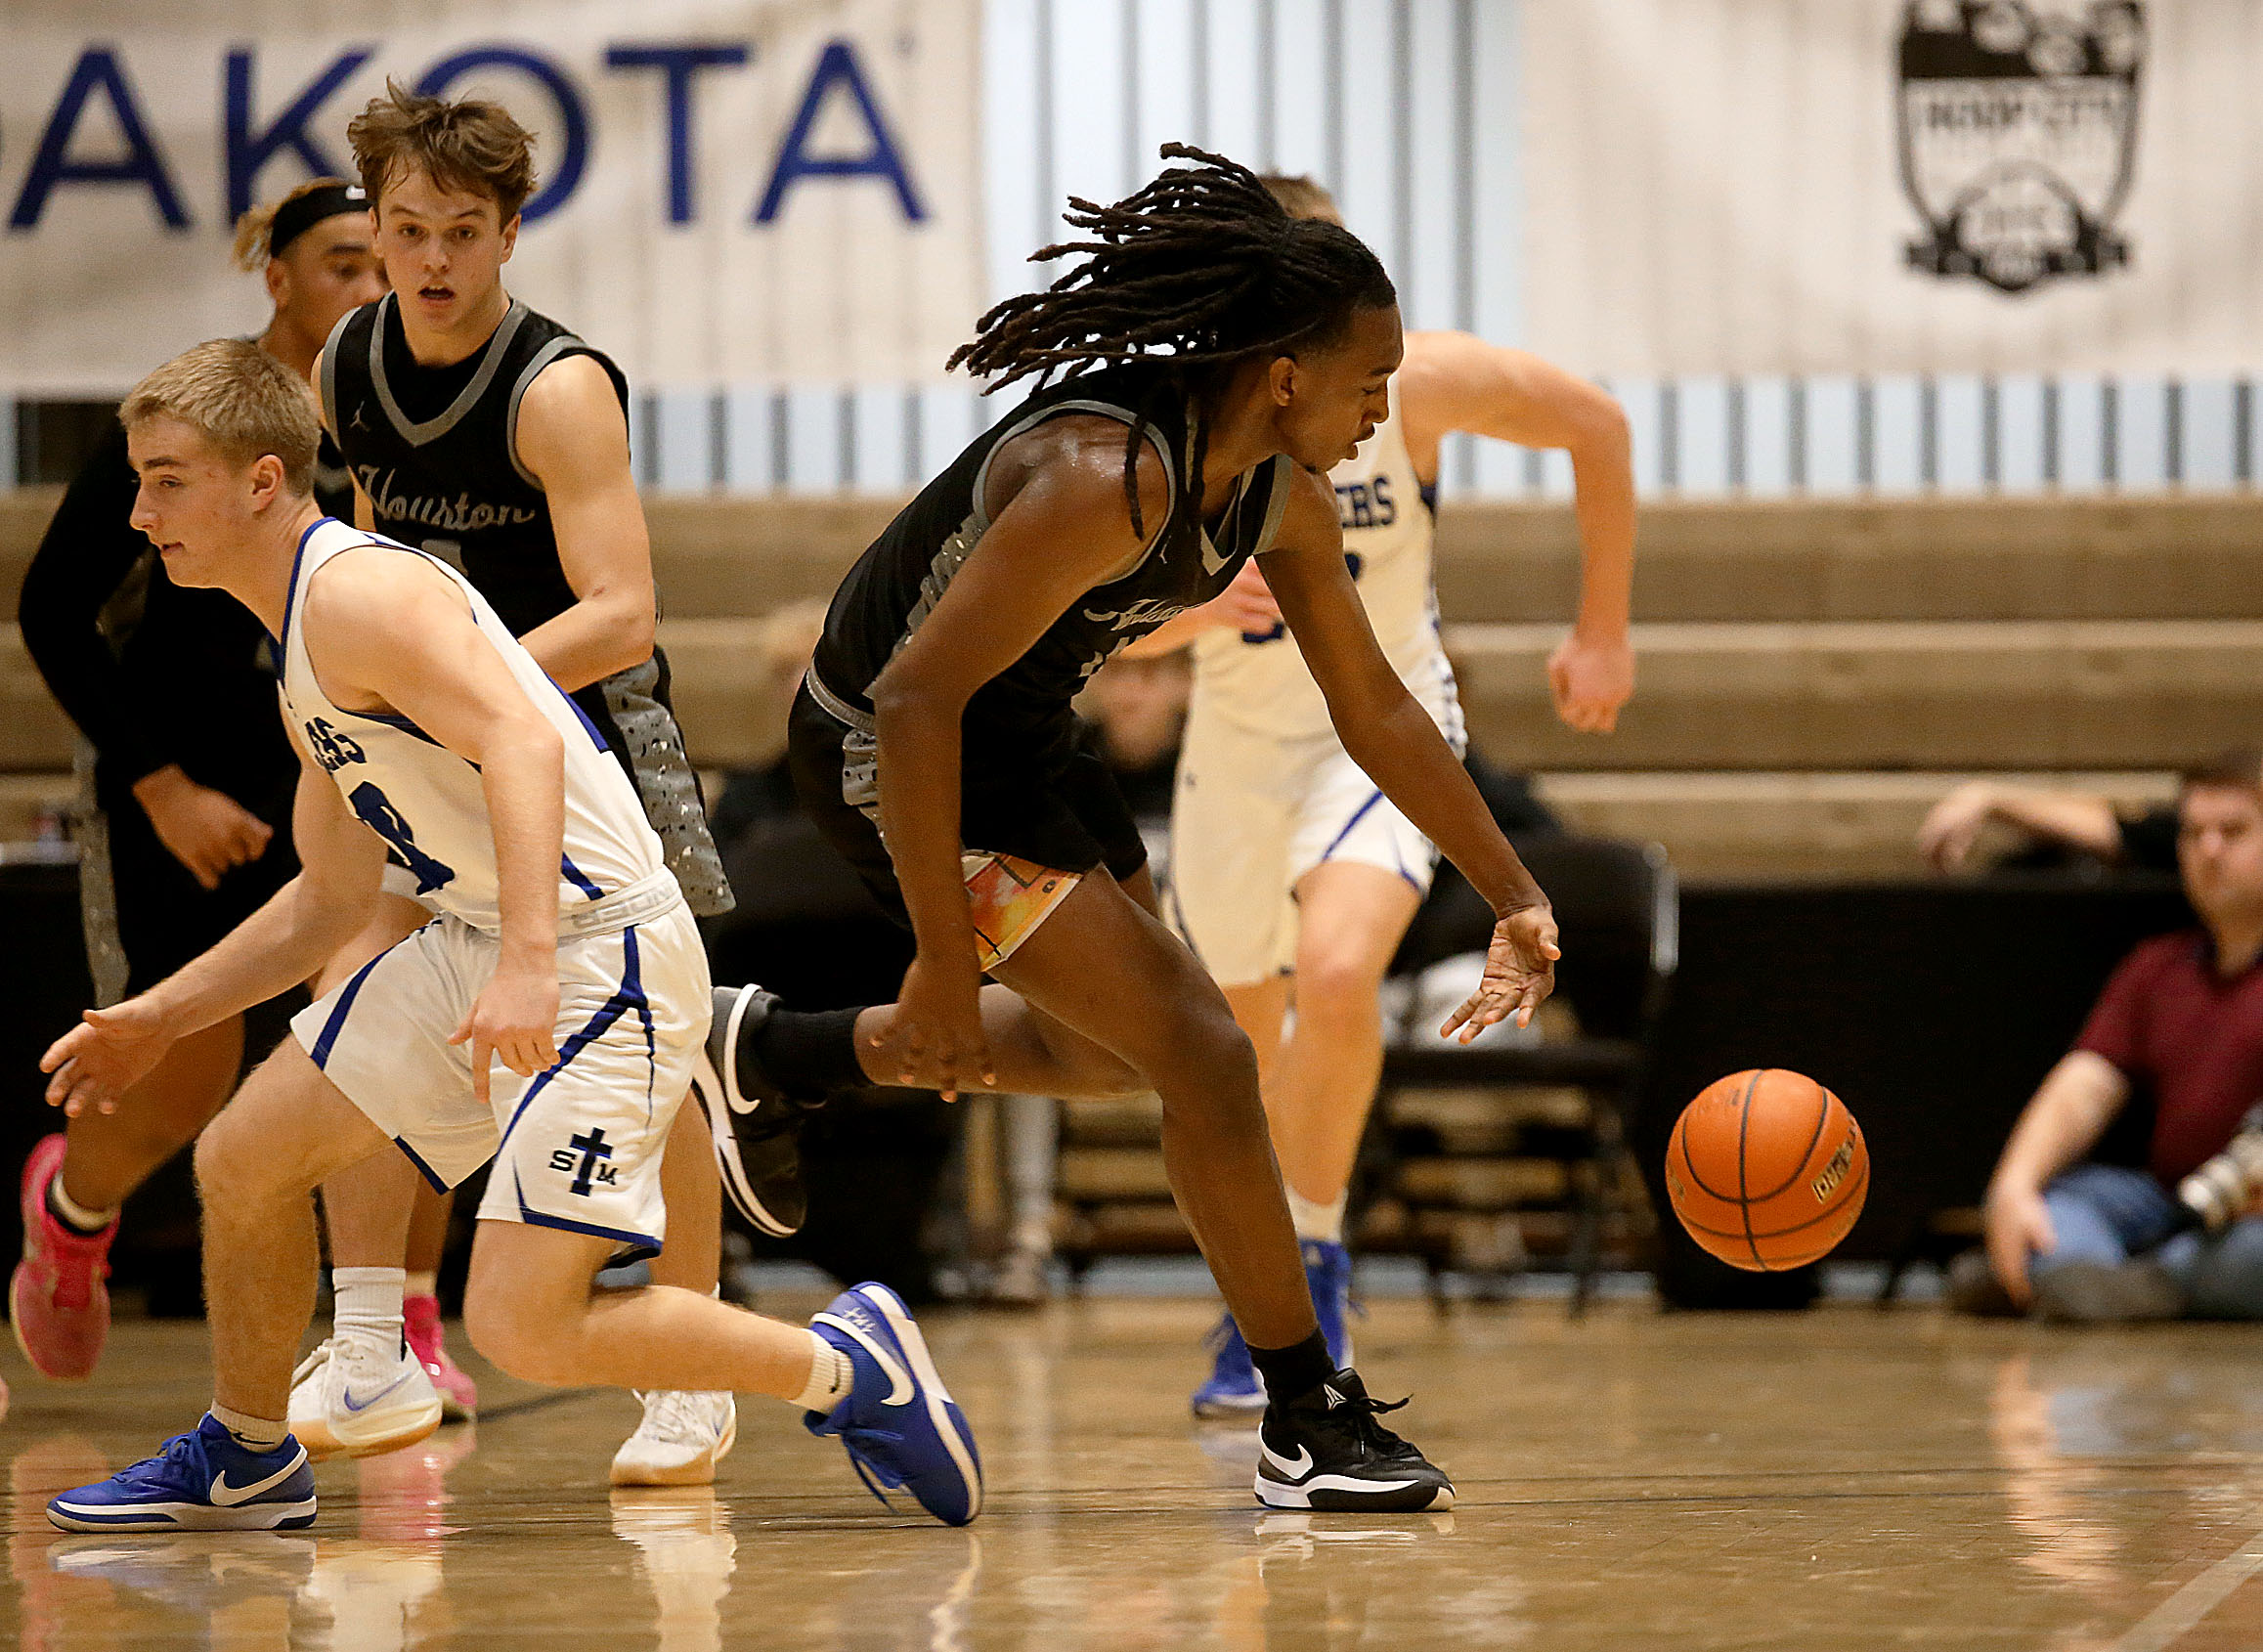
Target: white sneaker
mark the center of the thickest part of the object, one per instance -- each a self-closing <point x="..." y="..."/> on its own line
<point x="344" y="1401"/>
<point x="685" y="1434"/>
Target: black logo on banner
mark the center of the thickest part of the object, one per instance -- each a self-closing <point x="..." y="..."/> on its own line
<point x="2018" y="135"/>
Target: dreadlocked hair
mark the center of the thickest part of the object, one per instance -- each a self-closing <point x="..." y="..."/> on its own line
<point x="1201" y="270"/>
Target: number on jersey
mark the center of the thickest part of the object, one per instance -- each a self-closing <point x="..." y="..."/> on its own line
<point x="377" y="812"/>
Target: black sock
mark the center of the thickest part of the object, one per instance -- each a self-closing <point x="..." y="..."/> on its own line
<point x="806" y="1052"/>
<point x="55" y="1210"/>
<point x="1298" y="1368"/>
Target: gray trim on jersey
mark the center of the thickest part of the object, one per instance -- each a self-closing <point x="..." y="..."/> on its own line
<point x="490" y="364"/>
<point x="1109" y="409"/>
<point x="106" y="964"/>
<point x="668" y="787"/>
<point x="835" y="706"/>
<point x="544" y="357"/>
<point x="1276" y="505"/>
<point x="951" y="556"/>
<point x="330" y="371"/>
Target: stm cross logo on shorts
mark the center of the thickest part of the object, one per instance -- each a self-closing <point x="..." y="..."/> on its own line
<point x="581" y="1159"/>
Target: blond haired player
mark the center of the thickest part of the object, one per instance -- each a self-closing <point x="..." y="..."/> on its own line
<point x="562" y="949"/>
<point x="184" y="839"/>
<point x="1294" y="877"/>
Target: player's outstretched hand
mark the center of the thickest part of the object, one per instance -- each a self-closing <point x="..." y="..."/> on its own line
<point x="1520" y="972"/>
<point x="935" y="1040"/>
<point x="110" y="1050"/>
<point x="513" y="1021"/>
<point x="1590" y="680"/>
<point x="1248" y="602"/>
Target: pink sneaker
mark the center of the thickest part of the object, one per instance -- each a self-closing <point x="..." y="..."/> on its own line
<point x="58" y="1305"/>
<point x="420" y="1322"/>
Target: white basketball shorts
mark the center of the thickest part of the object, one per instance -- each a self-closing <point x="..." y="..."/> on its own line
<point x="578" y="1146"/>
<point x="1254" y="814"/>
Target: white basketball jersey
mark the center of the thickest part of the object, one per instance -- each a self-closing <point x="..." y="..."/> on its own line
<point x="1258" y="681"/>
<point x="427" y="803"/>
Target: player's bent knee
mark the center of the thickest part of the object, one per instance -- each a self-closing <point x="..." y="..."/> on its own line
<point x="233" y="1171"/>
<point x="1211" y="1045"/>
<point x="526" y="1301"/>
<point x="517" y="1338"/>
<point x="1339" y="981"/>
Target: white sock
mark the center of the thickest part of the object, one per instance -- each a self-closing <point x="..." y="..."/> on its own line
<point x="421" y="1284"/>
<point x="1316" y="1221"/>
<point x="253" y="1433"/>
<point x="831" y="1376"/>
<point x="367" y="1314"/>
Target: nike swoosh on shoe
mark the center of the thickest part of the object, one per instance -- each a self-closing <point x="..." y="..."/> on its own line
<point x="1302" y="1465"/>
<point x="353" y="1405"/>
<point x="900" y="1390"/>
<point x="226" y="1495"/>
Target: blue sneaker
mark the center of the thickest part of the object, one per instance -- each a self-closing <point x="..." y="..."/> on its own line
<point x="1233" y="1390"/>
<point x="1328" y="1271"/>
<point x="900" y="1424"/>
<point x="202" y="1481"/>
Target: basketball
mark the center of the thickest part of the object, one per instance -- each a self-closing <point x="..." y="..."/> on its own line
<point x="1766" y="1170"/>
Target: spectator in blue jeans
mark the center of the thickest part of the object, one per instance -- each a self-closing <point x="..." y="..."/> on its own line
<point x="2181" y="1021"/>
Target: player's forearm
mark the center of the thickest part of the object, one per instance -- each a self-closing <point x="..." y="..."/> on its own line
<point x="919" y="756"/>
<point x="284" y="943"/>
<point x="1603" y="479"/>
<point x="1403" y="752"/>
<point x="523" y="777"/>
<point x="605" y="632"/>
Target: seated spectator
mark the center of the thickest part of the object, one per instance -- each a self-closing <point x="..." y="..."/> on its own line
<point x="2180" y="1023"/>
<point x="2052" y="826"/>
<point x="1135" y="710"/>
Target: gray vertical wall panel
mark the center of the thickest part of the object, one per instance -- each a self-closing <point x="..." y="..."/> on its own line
<point x="1957" y="467"/>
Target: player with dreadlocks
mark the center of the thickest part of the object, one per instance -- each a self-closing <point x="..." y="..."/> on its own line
<point x="1219" y="356"/>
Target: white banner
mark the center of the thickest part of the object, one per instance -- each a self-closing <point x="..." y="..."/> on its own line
<point x="1874" y="186"/>
<point x="732" y="190"/>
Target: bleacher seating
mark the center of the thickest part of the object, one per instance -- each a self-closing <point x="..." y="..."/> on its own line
<point x="1813" y="673"/>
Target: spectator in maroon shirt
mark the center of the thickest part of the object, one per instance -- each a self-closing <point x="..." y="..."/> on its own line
<point x="2180" y="1021"/>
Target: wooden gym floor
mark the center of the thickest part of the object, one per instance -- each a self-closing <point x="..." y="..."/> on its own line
<point x="1841" y="1479"/>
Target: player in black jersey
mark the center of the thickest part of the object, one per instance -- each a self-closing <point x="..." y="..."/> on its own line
<point x="1222" y="356"/>
<point x="192" y="776"/>
<point x="494" y="438"/>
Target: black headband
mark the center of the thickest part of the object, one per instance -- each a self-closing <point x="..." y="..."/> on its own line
<point x="301" y="213"/>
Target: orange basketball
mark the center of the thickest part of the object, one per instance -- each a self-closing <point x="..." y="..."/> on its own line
<point x="1766" y="1170"/>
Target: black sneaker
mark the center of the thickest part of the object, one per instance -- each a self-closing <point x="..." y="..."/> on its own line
<point x="1325" y="1449"/>
<point x="757" y="1126"/>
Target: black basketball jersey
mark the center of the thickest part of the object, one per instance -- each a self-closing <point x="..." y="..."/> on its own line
<point x="898" y="580"/>
<point x="333" y="483"/>
<point x="451" y="482"/>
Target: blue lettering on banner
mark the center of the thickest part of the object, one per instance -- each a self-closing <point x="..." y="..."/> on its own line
<point x="678" y="63"/>
<point x="247" y="151"/>
<point x="573" y="115"/>
<point x="837" y="67"/>
<point x="98" y="69"/>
